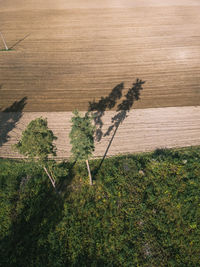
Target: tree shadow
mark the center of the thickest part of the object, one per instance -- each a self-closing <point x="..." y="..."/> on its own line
<point x="27" y="238"/>
<point x="19" y="41"/>
<point x="123" y="108"/>
<point x="65" y="181"/>
<point x="9" y="118"/>
<point x="105" y="103"/>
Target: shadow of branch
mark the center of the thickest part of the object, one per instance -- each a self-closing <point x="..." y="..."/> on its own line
<point x="105" y="103"/>
<point x="19" y="41"/>
<point x="9" y="117"/>
<point x="123" y="108"/>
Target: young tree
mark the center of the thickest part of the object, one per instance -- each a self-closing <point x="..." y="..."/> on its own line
<point x="4" y="42"/>
<point x="37" y="144"/>
<point x="82" y="138"/>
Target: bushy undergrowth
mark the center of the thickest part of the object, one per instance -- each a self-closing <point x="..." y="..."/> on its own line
<point x="143" y="210"/>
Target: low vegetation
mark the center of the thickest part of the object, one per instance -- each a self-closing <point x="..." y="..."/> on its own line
<point x="142" y="210"/>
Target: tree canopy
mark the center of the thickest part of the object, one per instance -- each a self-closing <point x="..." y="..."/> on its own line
<point x="82" y="136"/>
<point x="37" y="144"/>
<point x="37" y="141"/>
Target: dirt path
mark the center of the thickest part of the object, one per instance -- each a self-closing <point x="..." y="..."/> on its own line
<point x="142" y="130"/>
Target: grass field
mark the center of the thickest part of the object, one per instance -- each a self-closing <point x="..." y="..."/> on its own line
<point x="143" y="210"/>
<point x="67" y="53"/>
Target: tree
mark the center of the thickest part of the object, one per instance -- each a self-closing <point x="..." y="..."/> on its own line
<point x="37" y="144"/>
<point x="82" y="138"/>
<point x="4" y="42"/>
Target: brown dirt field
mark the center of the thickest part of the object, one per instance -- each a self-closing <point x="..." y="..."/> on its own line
<point x="77" y="51"/>
<point x="143" y="130"/>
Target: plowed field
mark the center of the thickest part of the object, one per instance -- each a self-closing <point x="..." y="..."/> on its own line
<point x="67" y="53"/>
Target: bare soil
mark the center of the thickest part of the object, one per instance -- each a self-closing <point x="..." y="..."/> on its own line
<point x="67" y="53"/>
<point x="143" y="130"/>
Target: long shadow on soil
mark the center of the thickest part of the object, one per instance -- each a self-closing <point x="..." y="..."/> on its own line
<point x="123" y="108"/>
<point x="19" y="41"/>
<point x="105" y="103"/>
<point x="9" y="118"/>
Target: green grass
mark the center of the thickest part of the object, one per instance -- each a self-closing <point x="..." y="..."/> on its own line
<point x="9" y="49"/>
<point x="143" y="210"/>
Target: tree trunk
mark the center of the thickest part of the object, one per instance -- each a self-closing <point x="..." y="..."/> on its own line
<point x="4" y="41"/>
<point x="51" y="179"/>
<point x="88" y="167"/>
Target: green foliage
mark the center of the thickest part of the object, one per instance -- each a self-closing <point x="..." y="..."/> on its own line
<point x="29" y="209"/>
<point x="9" y="182"/>
<point x="37" y="141"/>
<point x="9" y="49"/>
<point x="144" y="210"/>
<point x="82" y="136"/>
